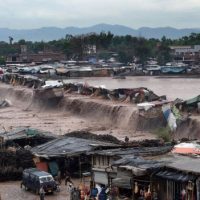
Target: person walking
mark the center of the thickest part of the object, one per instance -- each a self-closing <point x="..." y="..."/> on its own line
<point x="42" y="193"/>
<point x="70" y="190"/>
<point x="68" y="178"/>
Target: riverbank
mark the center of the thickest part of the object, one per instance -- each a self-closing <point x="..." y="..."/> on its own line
<point x="74" y="112"/>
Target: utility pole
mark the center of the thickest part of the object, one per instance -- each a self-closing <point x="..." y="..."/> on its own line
<point x="10" y="40"/>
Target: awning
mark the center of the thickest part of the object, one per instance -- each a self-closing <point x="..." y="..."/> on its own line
<point x="122" y="182"/>
<point x="100" y="177"/>
<point x="175" y="176"/>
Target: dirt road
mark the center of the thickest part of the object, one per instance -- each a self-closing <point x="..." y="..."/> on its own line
<point x="12" y="191"/>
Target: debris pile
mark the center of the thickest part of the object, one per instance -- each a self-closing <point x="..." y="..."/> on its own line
<point x="88" y="135"/>
<point x="12" y="163"/>
<point x="112" y="139"/>
<point x="4" y="103"/>
<point x="191" y="105"/>
<point x="54" y="89"/>
<point x="126" y="95"/>
<point x="24" y="80"/>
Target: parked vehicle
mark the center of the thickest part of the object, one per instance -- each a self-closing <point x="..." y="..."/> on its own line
<point x="34" y="179"/>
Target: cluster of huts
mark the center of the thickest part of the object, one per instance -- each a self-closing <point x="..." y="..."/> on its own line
<point x="128" y="171"/>
<point x="50" y="88"/>
<point x="135" y="172"/>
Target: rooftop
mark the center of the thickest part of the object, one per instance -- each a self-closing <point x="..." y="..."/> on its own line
<point x="69" y="146"/>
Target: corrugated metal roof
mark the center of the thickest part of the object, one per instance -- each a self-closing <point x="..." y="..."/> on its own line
<point x="69" y="146"/>
<point x="136" y="151"/>
<point x="179" y="163"/>
<point x="184" y="164"/>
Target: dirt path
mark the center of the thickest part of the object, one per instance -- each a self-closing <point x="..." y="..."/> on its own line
<point x="12" y="191"/>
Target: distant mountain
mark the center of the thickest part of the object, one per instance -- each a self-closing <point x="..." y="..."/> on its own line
<point x="169" y="32"/>
<point x="53" y="33"/>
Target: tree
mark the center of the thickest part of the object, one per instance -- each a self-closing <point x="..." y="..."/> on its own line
<point x="22" y="42"/>
<point x="2" y="60"/>
<point x="125" y="57"/>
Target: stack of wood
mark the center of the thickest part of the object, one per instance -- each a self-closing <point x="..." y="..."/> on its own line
<point x="13" y="162"/>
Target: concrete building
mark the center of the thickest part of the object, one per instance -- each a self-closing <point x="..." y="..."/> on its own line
<point x="35" y="57"/>
<point x="28" y="57"/>
<point x="186" y="54"/>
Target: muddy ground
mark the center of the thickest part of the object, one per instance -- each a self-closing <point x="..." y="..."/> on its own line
<point x="12" y="191"/>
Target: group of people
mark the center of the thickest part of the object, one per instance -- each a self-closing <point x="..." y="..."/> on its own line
<point x="84" y="193"/>
<point x="74" y="192"/>
<point x="79" y="193"/>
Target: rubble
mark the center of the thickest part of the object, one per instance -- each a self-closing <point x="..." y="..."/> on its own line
<point x="5" y="103"/>
<point x="88" y="135"/>
<point x="51" y="89"/>
<point x="12" y="163"/>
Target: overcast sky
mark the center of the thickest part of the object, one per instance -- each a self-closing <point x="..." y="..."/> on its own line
<point x="133" y="13"/>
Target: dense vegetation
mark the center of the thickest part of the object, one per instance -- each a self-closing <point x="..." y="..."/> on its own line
<point x="126" y="47"/>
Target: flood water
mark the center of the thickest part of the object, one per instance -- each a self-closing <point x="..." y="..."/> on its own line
<point x="183" y="88"/>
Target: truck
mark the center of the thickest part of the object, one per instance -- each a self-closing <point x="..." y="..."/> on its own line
<point x="33" y="179"/>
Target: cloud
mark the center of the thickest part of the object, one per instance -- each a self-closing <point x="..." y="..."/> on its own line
<point x="134" y="13"/>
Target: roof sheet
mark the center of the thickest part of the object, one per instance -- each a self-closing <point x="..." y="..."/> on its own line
<point x="175" y="176"/>
<point x="69" y="146"/>
<point x="185" y="164"/>
<point x="136" y="151"/>
<point x="180" y="163"/>
<point x="193" y="100"/>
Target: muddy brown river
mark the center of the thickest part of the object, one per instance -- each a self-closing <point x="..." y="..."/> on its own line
<point x="61" y="121"/>
<point x="173" y="87"/>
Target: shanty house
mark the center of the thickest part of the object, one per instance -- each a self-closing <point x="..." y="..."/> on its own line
<point x="69" y="153"/>
<point x="180" y="179"/>
<point x="113" y="167"/>
<point x="134" y="176"/>
<point x="26" y="136"/>
<point x="167" y="176"/>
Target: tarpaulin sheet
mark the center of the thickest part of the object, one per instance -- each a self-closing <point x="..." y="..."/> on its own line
<point x="169" y="116"/>
<point x="53" y="166"/>
<point x="42" y="166"/>
<point x="193" y="100"/>
<point x="122" y="182"/>
<point x="31" y="132"/>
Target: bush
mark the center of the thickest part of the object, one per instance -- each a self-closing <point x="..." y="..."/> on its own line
<point x="2" y="60"/>
<point x="163" y="133"/>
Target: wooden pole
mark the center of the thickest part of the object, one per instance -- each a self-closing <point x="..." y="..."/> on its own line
<point x="80" y="168"/>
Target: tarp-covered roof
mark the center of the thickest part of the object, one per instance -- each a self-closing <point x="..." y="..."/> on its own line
<point x="137" y="165"/>
<point x="184" y="164"/>
<point x="175" y="176"/>
<point x="69" y="146"/>
<point x="24" y="133"/>
<point x="136" y="151"/>
<point x="192" y="148"/>
<point x="193" y="100"/>
<point x="136" y="162"/>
